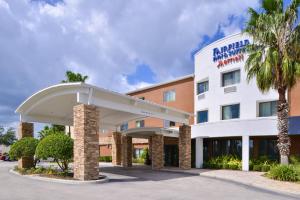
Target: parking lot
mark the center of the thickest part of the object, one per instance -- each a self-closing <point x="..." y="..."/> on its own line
<point x="134" y="183"/>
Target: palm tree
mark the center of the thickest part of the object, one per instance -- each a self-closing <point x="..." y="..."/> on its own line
<point x="74" y="77"/>
<point x="274" y="57"/>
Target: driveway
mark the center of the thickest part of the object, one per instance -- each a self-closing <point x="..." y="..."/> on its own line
<point x="136" y="183"/>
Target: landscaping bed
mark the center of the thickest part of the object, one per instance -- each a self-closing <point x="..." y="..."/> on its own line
<point x="46" y="172"/>
<point x="272" y="168"/>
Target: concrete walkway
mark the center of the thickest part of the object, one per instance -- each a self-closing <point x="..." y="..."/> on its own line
<point x="134" y="183"/>
<point x="255" y="179"/>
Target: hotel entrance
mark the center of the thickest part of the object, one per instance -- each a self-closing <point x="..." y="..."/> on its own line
<point x="171" y="155"/>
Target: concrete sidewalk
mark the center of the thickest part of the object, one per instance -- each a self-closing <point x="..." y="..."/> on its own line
<point x="254" y="179"/>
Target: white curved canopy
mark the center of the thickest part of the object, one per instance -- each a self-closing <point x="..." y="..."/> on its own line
<point x="55" y="105"/>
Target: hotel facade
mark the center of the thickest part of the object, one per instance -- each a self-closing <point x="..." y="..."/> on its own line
<point x="231" y="115"/>
<point x="183" y="122"/>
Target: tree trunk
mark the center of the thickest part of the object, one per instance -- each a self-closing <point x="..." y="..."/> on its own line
<point x="283" y="138"/>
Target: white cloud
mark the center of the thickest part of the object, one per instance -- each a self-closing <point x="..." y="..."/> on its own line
<point x="104" y="39"/>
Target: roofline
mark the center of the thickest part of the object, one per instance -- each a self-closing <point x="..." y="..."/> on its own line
<point x="217" y="41"/>
<point x="161" y="84"/>
<point x="85" y="85"/>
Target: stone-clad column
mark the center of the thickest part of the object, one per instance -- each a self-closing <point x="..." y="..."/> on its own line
<point x="126" y="151"/>
<point x="25" y="130"/>
<point x="116" y="148"/>
<point x="184" y="147"/>
<point x="157" y="151"/>
<point x="86" y="142"/>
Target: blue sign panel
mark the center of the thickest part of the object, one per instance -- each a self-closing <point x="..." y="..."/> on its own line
<point x="294" y="125"/>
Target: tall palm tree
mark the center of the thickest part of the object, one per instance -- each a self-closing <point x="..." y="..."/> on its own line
<point x="74" y="77"/>
<point x="274" y="57"/>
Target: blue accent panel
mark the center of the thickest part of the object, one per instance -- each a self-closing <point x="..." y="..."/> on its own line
<point x="294" y="125"/>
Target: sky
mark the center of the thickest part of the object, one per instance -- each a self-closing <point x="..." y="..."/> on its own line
<point x="121" y="45"/>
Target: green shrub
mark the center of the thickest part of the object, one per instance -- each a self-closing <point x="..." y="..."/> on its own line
<point x="105" y="159"/>
<point x="295" y="160"/>
<point x="56" y="146"/>
<point x="24" y="147"/>
<point x="257" y="167"/>
<point x="224" y="162"/>
<point x="39" y="170"/>
<point x="265" y="168"/>
<point x="138" y="160"/>
<point x="283" y="173"/>
<point x="145" y="156"/>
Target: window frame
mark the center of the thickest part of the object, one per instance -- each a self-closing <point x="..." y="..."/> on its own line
<point x="124" y="125"/>
<point x="201" y="82"/>
<point x="261" y="102"/>
<point x="222" y="115"/>
<point x="227" y="72"/>
<point x="205" y="110"/>
<point x="140" y="122"/>
<point x="164" y="95"/>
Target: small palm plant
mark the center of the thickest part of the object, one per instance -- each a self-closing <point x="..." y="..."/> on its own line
<point x="274" y="57"/>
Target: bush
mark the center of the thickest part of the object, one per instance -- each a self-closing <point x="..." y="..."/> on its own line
<point x="224" y="162"/>
<point x="105" y="159"/>
<point x="295" y="160"/>
<point x="145" y="156"/>
<point x="24" y="147"/>
<point x="283" y="173"/>
<point x="257" y="167"/>
<point x="138" y="160"/>
<point x="56" y="146"/>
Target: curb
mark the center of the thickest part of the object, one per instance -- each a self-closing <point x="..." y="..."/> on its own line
<point x="56" y="180"/>
<point x="255" y="186"/>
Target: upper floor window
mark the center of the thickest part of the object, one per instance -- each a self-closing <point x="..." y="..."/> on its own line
<point x="169" y="95"/>
<point x="267" y="109"/>
<point x="231" y="78"/>
<point x="202" y="87"/>
<point x="140" y="123"/>
<point x="231" y="111"/>
<point x="124" y="127"/>
<point x="202" y="116"/>
<point x="168" y="123"/>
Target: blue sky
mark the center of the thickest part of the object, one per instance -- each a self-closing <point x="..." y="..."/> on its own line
<point x="121" y="45"/>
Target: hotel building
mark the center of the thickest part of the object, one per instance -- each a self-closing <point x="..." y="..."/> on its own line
<point x="231" y="115"/>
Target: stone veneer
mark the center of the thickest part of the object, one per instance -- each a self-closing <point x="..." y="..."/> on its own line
<point x="126" y="151"/>
<point x="25" y="130"/>
<point x="157" y="151"/>
<point x="116" y="148"/>
<point x="86" y="142"/>
<point x="184" y="145"/>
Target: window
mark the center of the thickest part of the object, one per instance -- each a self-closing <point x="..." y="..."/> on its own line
<point x="202" y="87"/>
<point x="231" y="111"/>
<point x="124" y="127"/>
<point x="142" y="98"/>
<point x="169" y="95"/>
<point x="140" y="124"/>
<point x="168" y="123"/>
<point x="231" y="78"/>
<point x="137" y="153"/>
<point x="222" y="147"/>
<point x="268" y="148"/>
<point x="267" y="109"/>
<point x="202" y="116"/>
